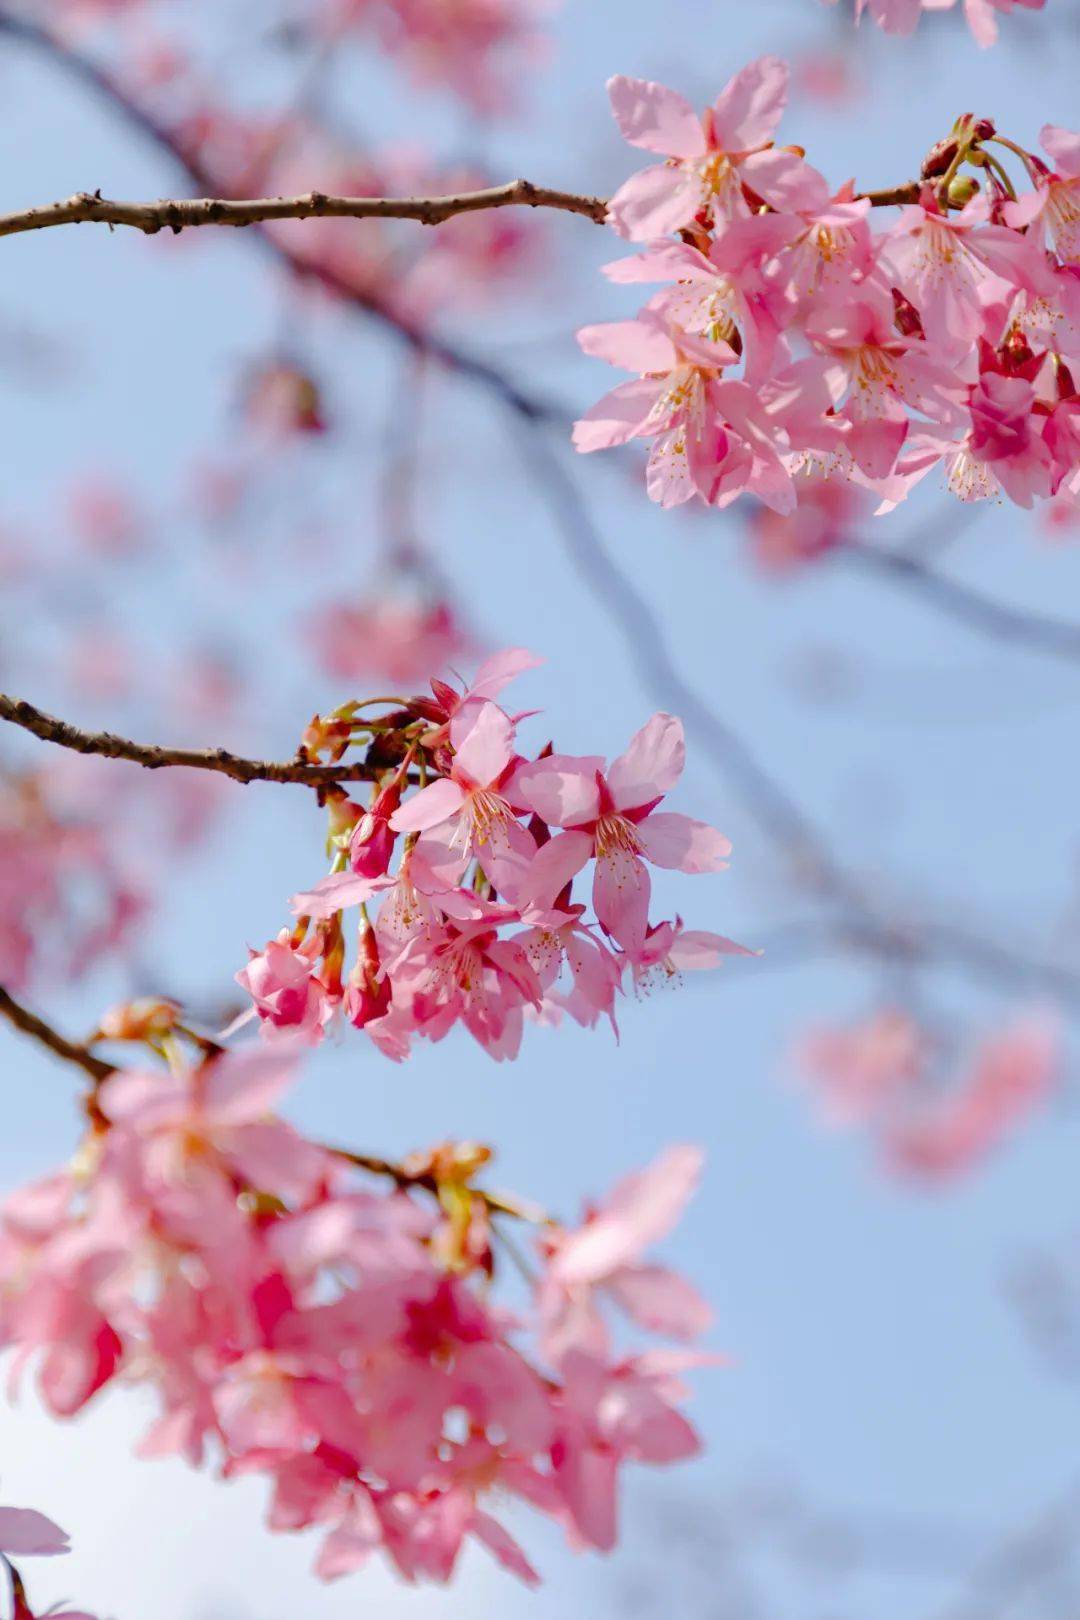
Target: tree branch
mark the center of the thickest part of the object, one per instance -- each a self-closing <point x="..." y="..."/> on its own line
<point x="189" y="212"/>
<point x="154" y="758"/>
<point x="28" y="1023"/>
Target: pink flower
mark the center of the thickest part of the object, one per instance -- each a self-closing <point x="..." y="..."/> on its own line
<point x="1055" y="202"/>
<point x="603" y="1258"/>
<point x="953" y="266"/>
<point x="711" y="159"/>
<point x="613" y="818"/>
<point x="289" y="997"/>
<point x="1010" y="1075"/>
<point x="670" y="950"/>
<point x="862" y="1071"/>
<point x="181" y="1122"/>
<point x="470" y="804"/>
<point x="711" y="438"/>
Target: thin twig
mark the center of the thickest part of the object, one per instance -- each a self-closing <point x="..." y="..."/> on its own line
<point x="154" y="757"/>
<point x="29" y="1023"/>
<point x="187" y="213"/>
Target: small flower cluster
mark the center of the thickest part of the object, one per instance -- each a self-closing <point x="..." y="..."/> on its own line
<point x="478" y="923"/>
<point x="476" y="48"/>
<point x="887" y="1073"/>
<point x="903" y="16"/>
<point x="25" y="1533"/>
<point x="794" y="338"/>
<point x="63" y="902"/>
<point x="342" y="1342"/>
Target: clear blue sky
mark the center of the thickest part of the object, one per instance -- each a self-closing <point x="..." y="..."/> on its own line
<point x="876" y="1365"/>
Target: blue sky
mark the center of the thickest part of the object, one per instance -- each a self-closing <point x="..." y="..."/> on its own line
<point x="875" y="1363"/>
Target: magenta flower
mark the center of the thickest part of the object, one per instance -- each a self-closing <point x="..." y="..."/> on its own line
<point x="710" y="159"/>
<point x="288" y="994"/>
<point x="613" y="818"/>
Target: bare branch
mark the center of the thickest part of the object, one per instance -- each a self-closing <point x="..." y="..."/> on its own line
<point x="154" y="758"/>
<point x="28" y="1023"/>
<point x="186" y="213"/>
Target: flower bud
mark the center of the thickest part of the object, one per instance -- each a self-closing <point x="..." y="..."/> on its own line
<point x="962" y="187"/>
<point x="149" y="1018"/>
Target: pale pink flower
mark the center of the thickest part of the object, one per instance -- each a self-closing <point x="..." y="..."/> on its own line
<point x="712" y="160"/>
<point x="470" y="805"/>
<point x="1054" y="204"/>
<point x="711" y="438"/>
<point x="603" y="1259"/>
<point x="613" y="817"/>
<point x="862" y="1071"/>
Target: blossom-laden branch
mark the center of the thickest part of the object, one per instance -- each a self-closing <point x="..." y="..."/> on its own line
<point x="154" y="757"/>
<point x="286" y="1318"/>
<point x="186" y="213"/>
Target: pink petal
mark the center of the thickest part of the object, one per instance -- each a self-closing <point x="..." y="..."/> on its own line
<point x="500" y="669"/>
<point x="335" y="893"/>
<point x="1063" y="145"/>
<point x="656" y="118"/>
<point x="430" y="807"/>
<point x="631" y="345"/>
<point x="748" y="109"/>
<point x="695" y="949"/>
<point x="502" y="1545"/>
<point x="24" y="1533"/>
<point x="661" y="1301"/>
<point x="557" y="861"/>
<point x="562" y="788"/>
<point x="619" y="416"/>
<point x="682" y="844"/>
<point x="785" y="181"/>
<point x="640" y="1210"/>
<point x="654" y="202"/>
<point x="245" y="1084"/>
<point x="621" y="891"/>
<point x="483" y="741"/>
<point x="651" y="765"/>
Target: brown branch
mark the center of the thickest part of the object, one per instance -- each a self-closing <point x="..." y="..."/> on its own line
<point x="154" y="758"/>
<point x="28" y="1023"/>
<point x="188" y="212"/>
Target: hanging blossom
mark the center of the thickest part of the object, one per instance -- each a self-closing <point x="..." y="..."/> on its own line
<point x="464" y="867"/>
<point x="903" y="16"/>
<point x="25" y="1533"/>
<point x="343" y="1341"/>
<point x="791" y="340"/>
<point x="931" y="1118"/>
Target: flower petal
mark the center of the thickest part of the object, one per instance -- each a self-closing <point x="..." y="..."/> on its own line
<point x="682" y="844"/>
<point x="651" y="765"/>
<point x="656" y="118"/>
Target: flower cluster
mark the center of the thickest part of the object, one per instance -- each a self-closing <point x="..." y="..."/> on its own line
<point x="794" y="338"/>
<point x="478" y="923"/>
<point x="902" y="16"/>
<point x="25" y="1533"/>
<point x="64" y="904"/>
<point x="888" y="1073"/>
<point x="344" y="1342"/>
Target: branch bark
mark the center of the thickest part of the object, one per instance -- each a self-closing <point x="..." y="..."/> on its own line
<point x="28" y="1023"/>
<point x="190" y="212"/>
<point x="154" y="757"/>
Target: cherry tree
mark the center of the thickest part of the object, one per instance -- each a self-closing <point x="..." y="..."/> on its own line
<point x="405" y="1355"/>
